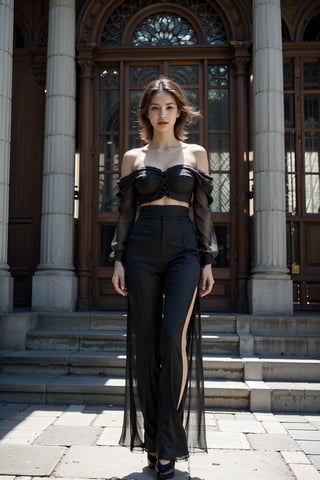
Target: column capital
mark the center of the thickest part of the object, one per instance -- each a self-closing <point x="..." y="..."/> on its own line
<point x="85" y="59"/>
<point x="242" y="57"/>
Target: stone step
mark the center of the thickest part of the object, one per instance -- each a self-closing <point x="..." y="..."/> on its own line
<point x="66" y="389"/>
<point x="113" y="364"/>
<point x="100" y="363"/>
<point x="287" y="346"/>
<point x="300" y="324"/>
<point x="73" y="340"/>
<point x="250" y="395"/>
<point x="295" y="396"/>
<point x="289" y="369"/>
<point x="114" y="340"/>
<point x="214" y="323"/>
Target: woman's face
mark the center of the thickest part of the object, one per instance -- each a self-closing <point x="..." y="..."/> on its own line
<point x="163" y="111"/>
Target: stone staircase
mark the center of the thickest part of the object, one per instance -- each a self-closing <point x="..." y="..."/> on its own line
<point x="254" y="363"/>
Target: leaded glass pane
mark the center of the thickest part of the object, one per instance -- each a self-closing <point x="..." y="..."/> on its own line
<point x="221" y="193"/>
<point x="192" y="95"/>
<point x="223" y="237"/>
<point x="108" y="188"/>
<point x="288" y="76"/>
<point x="110" y="77"/>
<point x="219" y="153"/>
<point x="311" y="111"/>
<point x="218" y="105"/>
<point x="289" y="110"/>
<point x="135" y="96"/>
<point x="218" y="75"/>
<point x="291" y="174"/>
<point x="109" y="110"/>
<point x="134" y="141"/>
<point x="312" y="172"/>
<point x="311" y="73"/>
<point x="164" y="30"/>
<point x="109" y="153"/>
<point x="184" y="74"/>
<point x="141" y="76"/>
<point x="193" y="138"/>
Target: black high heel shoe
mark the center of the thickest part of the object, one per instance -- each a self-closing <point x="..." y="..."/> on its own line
<point x="152" y="461"/>
<point x="165" y="471"/>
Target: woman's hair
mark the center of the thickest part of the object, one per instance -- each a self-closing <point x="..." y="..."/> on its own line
<point x="186" y="111"/>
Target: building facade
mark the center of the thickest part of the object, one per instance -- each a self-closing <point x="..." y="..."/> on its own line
<point x="72" y="74"/>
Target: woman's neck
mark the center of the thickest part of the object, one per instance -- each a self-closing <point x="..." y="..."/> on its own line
<point x="164" y="143"/>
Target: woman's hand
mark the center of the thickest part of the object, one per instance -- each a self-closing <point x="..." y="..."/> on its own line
<point x="118" y="279"/>
<point x="207" y="280"/>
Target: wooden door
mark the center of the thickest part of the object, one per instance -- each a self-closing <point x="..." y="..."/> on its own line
<point x="207" y="84"/>
<point x="302" y="119"/>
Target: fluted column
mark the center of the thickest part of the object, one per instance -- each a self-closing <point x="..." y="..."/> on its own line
<point x="55" y="283"/>
<point x="270" y="287"/>
<point x="6" y="45"/>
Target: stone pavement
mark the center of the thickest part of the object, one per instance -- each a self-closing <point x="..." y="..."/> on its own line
<point x="42" y="442"/>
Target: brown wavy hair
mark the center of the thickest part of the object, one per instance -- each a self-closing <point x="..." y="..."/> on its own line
<point x="187" y="112"/>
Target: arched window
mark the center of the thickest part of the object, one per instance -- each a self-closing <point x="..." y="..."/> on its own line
<point x="312" y="31"/>
<point x="164" y="28"/>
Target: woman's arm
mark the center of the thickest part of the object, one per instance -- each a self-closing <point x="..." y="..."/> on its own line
<point x="127" y="209"/>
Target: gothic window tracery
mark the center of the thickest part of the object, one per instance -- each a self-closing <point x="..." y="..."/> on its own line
<point x="164" y="28"/>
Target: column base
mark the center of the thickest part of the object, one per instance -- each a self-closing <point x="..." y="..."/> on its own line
<point x="6" y="293"/>
<point x="54" y="291"/>
<point x="270" y="295"/>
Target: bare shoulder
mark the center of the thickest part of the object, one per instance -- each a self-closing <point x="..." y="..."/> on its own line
<point x="129" y="161"/>
<point x="200" y="156"/>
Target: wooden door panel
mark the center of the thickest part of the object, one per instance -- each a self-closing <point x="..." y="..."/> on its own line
<point x="312" y="240"/>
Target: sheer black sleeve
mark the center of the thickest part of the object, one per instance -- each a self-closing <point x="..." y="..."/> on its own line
<point x="202" y="217"/>
<point x="127" y="213"/>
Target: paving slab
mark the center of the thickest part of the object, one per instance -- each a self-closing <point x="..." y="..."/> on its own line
<point x="309" y="447"/>
<point x="108" y="462"/>
<point x="298" y="426"/>
<point x="69" y="435"/>
<point x="19" y="438"/>
<point x="29" y="460"/>
<point x="265" y="417"/>
<point x="313" y="435"/>
<point x="305" y="472"/>
<point x="272" y="442"/>
<point x="248" y="465"/>
<point x="9" y="409"/>
<point x="240" y="426"/>
<point x="295" y="457"/>
<point x="226" y="440"/>
<point x="274" y="427"/>
<point x="76" y="419"/>
<point x="110" y="436"/>
<point x="315" y="459"/>
<point x="113" y="418"/>
<point x="289" y="417"/>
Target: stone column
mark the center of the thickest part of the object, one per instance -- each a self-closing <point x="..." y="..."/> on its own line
<point x="86" y="136"/>
<point x="6" y="45"/>
<point x="270" y="287"/>
<point x="55" y="283"/>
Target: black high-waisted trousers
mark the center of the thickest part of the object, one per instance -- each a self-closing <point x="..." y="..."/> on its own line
<point x="162" y="272"/>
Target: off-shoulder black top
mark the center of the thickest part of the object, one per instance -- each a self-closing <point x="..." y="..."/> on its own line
<point x="181" y="182"/>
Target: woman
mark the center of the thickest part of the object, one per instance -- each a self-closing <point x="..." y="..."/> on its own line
<point x="160" y="258"/>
